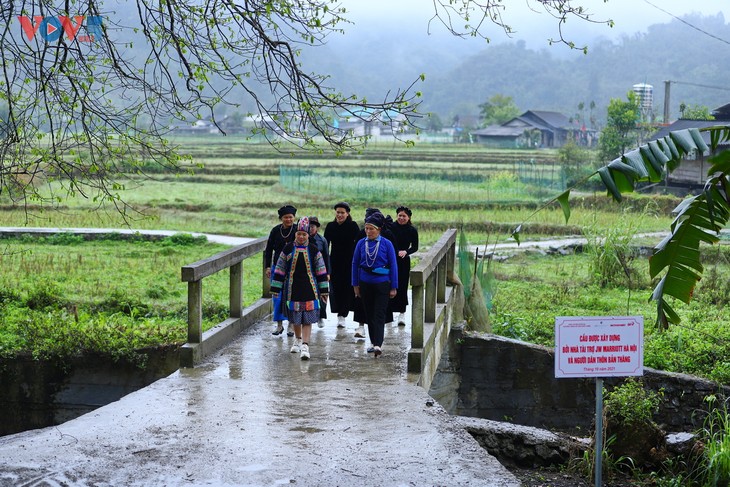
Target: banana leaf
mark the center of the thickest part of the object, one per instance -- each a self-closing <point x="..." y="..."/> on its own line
<point x="698" y="219"/>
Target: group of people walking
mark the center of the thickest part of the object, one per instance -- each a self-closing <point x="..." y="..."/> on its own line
<point x="360" y="270"/>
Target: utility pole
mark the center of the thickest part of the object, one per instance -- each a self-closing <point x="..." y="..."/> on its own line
<point x="666" y="93"/>
<point x="667" y="84"/>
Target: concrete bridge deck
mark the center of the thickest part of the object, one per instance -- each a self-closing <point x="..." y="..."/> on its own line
<point x="254" y="414"/>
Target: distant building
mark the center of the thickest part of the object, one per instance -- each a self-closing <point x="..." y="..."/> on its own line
<point x="362" y="123"/>
<point x="535" y="129"/>
<point x="693" y="170"/>
<point x="229" y="125"/>
<point x="195" y="128"/>
<point x="461" y="127"/>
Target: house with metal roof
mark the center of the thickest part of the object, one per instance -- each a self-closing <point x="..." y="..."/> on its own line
<point x="693" y="170"/>
<point x="535" y="129"/>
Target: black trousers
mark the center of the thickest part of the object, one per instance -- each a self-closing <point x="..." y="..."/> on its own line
<point x="341" y="295"/>
<point x="375" y="298"/>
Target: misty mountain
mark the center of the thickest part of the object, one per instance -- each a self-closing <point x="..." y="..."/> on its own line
<point x="460" y="77"/>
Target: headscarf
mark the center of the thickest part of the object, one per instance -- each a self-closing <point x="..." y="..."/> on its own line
<point x="376" y="219"/>
<point x="303" y="225"/>
<point x="370" y="211"/>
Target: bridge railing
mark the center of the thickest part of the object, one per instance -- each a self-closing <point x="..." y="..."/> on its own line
<point x="432" y="307"/>
<point x="202" y="344"/>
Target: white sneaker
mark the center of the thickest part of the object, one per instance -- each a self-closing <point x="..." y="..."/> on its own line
<point x="359" y="332"/>
<point x="340" y="322"/>
<point x="320" y="323"/>
<point x="304" y="355"/>
<point x="401" y="319"/>
<point x="296" y="348"/>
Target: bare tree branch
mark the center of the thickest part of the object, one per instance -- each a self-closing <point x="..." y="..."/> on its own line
<point x="472" y="18"/>
<point x="87" y="105"/>
<point x="89" y="90"/>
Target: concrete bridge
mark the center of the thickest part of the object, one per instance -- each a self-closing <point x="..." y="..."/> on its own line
<point x="244" y="411"/>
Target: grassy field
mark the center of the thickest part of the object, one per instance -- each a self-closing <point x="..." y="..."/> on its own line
<point x="63" y="297"/>
<point x="237" y="191"/>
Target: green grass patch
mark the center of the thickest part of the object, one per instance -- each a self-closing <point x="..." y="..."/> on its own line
<point x="110" y="296"/>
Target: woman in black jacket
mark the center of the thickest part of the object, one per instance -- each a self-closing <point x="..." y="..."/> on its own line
<point x="341" y="234"/>
<point x="406" y="237"/>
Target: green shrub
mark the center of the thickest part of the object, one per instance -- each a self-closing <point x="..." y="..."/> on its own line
<point x="631" y="404"/>
<point x="44" y="294"/>
<point x="65" y="238"/>
<point x="122" y="301"/>
<point x="9" y="296"/>
<point x="214" y="310"/>
<point x="612" y="255"/>
<point x="700" y="350"/>
<point x="714" y="288"/>
<point x="576" y="162"/>
<point x="156" y="292"/>
<point x="186" y="239"/>
<point x="721" y="372"/>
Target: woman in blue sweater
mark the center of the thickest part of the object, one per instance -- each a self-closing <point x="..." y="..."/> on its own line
<point x="375" y="277"/>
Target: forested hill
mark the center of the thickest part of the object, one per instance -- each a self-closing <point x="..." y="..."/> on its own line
<point x="544" y="79"/>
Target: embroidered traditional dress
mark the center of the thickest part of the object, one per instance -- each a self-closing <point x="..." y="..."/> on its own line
<point x="278" y="238"/>
<point x="300" y="276"/>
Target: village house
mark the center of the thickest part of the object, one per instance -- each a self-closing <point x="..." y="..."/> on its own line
<point x="693" y="170"/>
<point x="535" y="129"/>
<point x="361" y="124"/>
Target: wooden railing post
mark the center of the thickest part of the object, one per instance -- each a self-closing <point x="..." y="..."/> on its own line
<point x="236" y="290"/>
<point x="450" y="261"/>
<point x="430" y="304"/>
<point x="195" y="311"/>
<point x="441" y="271"/>
<point x="201" y="344"/>
<point x="417" y="317"/>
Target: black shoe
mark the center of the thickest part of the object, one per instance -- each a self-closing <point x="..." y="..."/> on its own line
<point x="278" y="331"/>
<point x="371" y="349"/>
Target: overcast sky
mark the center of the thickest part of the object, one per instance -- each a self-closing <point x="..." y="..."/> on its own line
<point x="532" y="24"/>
